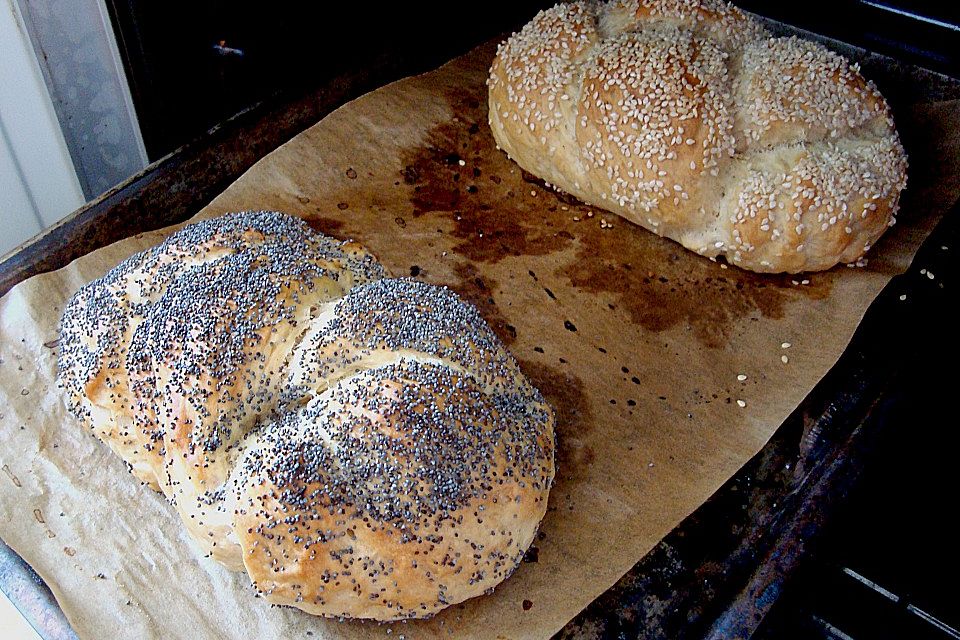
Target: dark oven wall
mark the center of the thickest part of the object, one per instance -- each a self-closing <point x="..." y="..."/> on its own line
<point x="921" y="32"/>
<point x="192" y="64"/>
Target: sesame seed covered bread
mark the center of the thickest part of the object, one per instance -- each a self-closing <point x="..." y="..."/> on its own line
<point x="685" y="117"/>
<point x="362" y="446"/>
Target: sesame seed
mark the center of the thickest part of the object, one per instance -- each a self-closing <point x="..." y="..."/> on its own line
<point x="657" y="90"/>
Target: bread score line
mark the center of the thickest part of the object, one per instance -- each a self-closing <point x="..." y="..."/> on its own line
<point x="361" y="446"/>
<point x="687" y="118"/>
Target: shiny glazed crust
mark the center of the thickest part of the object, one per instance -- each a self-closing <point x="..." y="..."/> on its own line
<point x="685" y="117"/>
<point x="362" y="446"/>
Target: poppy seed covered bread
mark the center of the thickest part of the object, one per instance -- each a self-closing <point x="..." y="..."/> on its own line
<point x="687" y="118"/>
<point x="362" y="446"/>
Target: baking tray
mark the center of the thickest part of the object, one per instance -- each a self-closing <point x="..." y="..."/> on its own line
<point x="722" y="569"/>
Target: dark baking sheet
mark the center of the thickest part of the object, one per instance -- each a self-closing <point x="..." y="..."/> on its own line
<point x="721" y="570"/>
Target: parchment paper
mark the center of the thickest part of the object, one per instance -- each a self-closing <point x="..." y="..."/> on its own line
<point x="636" y="342"/>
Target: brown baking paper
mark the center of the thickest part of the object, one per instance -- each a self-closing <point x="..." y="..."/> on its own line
<point x="635" y="341"/>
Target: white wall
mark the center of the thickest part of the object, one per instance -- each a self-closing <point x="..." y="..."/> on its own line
<point x="12" y="624"/>
<point x="83" y="72"/>
<point x="38" y="184"/>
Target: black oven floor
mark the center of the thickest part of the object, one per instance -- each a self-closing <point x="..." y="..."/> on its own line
<point x="888" y="565"/>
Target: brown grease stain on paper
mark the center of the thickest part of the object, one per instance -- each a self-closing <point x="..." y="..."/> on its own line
<point x="565" y="393"/>
<point x="328" y="226"/>
<point x="499" y="210"/>
<point x="13" y="478"/>
<point x="479" y="290"/>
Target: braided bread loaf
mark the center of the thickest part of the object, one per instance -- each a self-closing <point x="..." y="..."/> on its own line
<point x="684" y="117"/>
<point x="362" y="446"/>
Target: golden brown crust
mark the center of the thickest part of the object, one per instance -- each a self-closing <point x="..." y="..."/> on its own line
<point x="683" y="116"/>
<point x="361" y="521"/>
<point x="309" y="418"/>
